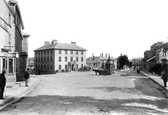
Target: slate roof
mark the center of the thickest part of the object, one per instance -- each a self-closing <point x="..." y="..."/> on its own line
<point x="93" y="61"/>
<point x="106" y="58"/>
<point x="61" y="46"/>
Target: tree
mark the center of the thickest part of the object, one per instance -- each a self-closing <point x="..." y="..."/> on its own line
<point x="123" y="60"/>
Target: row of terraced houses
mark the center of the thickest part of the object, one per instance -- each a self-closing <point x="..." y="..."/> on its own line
<point x="13" y="45"/>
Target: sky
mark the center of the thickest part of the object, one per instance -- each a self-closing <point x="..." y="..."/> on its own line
<point x="117" y="27"/>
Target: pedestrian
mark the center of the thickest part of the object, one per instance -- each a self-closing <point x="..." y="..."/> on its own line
<point x="27" y="76"/>
<point x="138" y="70"/>
<point x="164" y="71"/>
<point x="2" y="83"/>
<point x="164" y="77"/>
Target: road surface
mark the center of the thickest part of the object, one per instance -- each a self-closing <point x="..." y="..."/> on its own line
<point x="84" y="93"/>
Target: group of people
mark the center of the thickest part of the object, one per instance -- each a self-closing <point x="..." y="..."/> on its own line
<point x="3" y="81"/>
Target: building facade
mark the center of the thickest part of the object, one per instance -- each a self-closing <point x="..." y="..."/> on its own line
<point x="136" y="61"/>
<point x="59" y="57"/>
<point x="7" y="44"/>
<point x="11" y="45"/>
<point x="21" y="43"/>
<point x="97" y="61"/>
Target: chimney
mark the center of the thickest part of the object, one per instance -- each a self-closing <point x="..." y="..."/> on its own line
<point x="93" y="56"/>
<point x="74" y="43"/>
<point x="54" y="42"/>
<point x="46" y="43"/>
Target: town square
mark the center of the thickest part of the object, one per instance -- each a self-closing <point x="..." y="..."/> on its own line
<point x="83" y="57"/>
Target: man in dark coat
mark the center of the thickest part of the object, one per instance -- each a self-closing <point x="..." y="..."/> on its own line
<point x="164" y="73"/>
<point x="26" y="76"/>
<point x="2" y="83"/>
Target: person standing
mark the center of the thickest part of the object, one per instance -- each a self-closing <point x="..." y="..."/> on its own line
<point x="2" y="83"/>
<point x="164" y="69"/>
<point x="27" y="76"/>
<point x="164" y="77"/>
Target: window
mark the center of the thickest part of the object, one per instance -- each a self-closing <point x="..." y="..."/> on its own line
<point x="10" y="22"/>
<point x="41" y="66"/>
<point x="66" y="52"/>
<point x="77" y="52"/>
<point x="51" y="51"/>
<point x="47" y="59"/>
<point x="10" y="65"/>
<point x="44" y="59"/>
<point x="71" y="51"/>
<point x="66" y="67"/>
<point x="51" y="59"/>
<point x="65" y="59"/>
<point x="59" y="59"/>
<point x="81" y="58"/>
<point x="41" y="59"/>
<point x="44" y="66"/>
<point x="71" y="58"/>
<point x="82" y="52"/>
<point x="47" y="66"/>
<point x="51" y="66"/>
<point x="48" y="52"/>
<point x="76" y="58"/>
<point x="44" y="52"/>
<point x="59" y="67"/>
<point x="59" y="51"/>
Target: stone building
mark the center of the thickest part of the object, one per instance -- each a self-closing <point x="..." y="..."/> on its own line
<point x="59" y="57"/>
<point x="7" y="44"/>
<point x="21" y="42"/>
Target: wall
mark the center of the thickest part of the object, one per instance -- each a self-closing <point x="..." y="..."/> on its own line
<point x="69" y="55"/>
<point x="7" y="37"/>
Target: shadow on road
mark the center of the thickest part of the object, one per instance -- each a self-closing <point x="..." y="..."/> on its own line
<point x="45" y="104"/>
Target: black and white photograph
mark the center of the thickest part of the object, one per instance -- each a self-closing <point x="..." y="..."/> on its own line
<point x="83" y="57"/>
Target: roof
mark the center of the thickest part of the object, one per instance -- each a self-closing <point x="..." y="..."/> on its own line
<point x="17" y="6"/>
<point x="61" y="46"/>
<point x="93" y="61"/>
<point x="106" y="58"/>
<point x="25" y="34"/>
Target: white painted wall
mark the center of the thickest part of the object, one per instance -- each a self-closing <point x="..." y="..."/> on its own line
<point x="69" y="55"/>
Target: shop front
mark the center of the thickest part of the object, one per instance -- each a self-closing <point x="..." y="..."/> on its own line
<point x="8" y="61"/>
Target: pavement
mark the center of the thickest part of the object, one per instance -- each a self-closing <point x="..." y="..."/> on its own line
<point x="155" y="78"/>
<point x="18" y="91"/>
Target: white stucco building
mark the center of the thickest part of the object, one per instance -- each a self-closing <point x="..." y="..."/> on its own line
<point x="56" y="56"/>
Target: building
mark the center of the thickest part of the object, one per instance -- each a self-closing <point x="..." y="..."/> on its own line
<point x="93" y="62"/>
<point x="21" y="42"/>
<point x="161" y="52"/>
<point x="97" y="61"/>
<point x="7" y="45"/>
<point x="136" y="61"/>
<point x="56" y="56"/>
